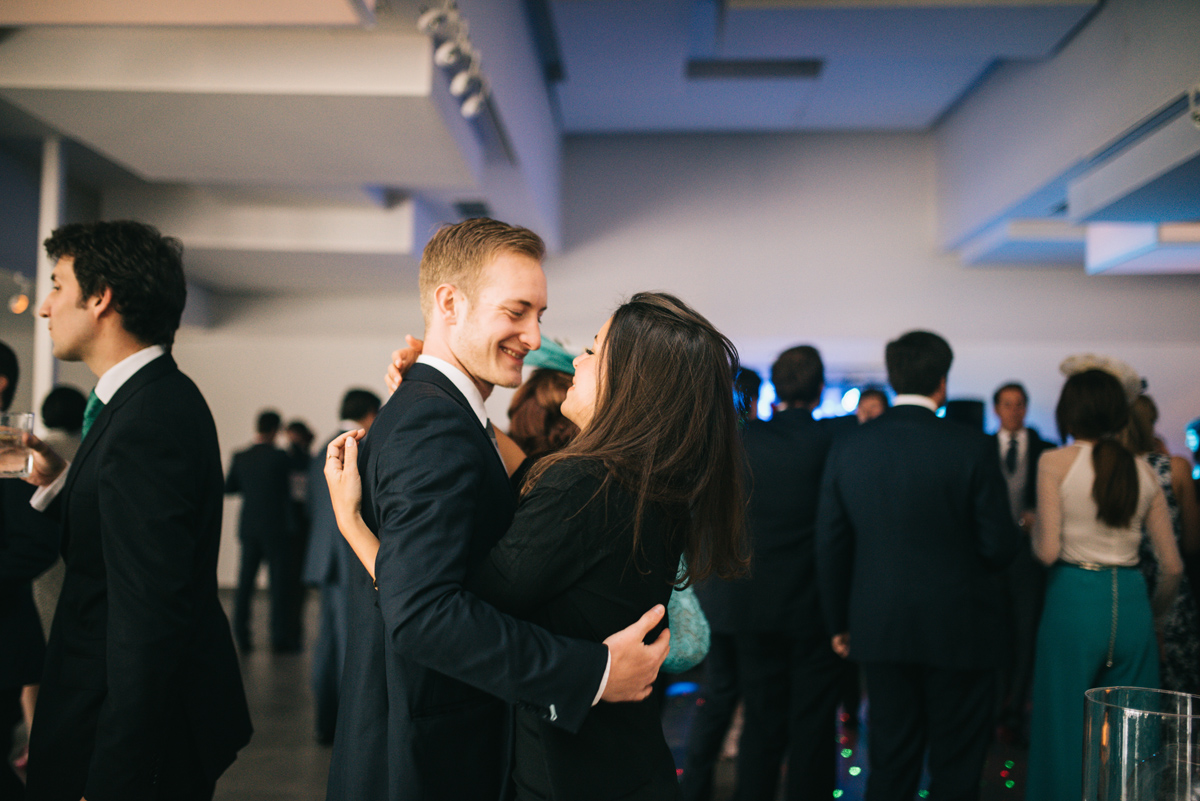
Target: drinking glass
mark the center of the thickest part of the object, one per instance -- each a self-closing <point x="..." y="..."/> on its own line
<point x="16" y="460"/>
<point x="1141" y="745"/>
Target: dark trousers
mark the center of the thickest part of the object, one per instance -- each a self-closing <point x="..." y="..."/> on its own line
<point x="1025" y="587"/>
<point x="711" y="723"/>
<point x="329" y="655"/>
<point x="11" y="786"/>
<point x="790" y="686"/>
<point x="61" y="747"/>
<point x="278" y="553"/>
<point x="914" y="707"/>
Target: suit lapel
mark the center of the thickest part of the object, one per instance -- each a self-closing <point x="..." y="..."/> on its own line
<point x="155" y="369"/>
<point x="431" y="375"/>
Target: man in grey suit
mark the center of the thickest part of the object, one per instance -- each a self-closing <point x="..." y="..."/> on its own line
<point x="326" y="566"/>
<point x="1019" y="448"/>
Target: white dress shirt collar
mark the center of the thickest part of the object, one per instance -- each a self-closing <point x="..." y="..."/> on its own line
<point x="465" y="385"/>
<point x="916" y="400"/>
<point x="116" y="376"/>
<point x="1019" y="436"/>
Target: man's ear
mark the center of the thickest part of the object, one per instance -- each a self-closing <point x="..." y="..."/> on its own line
<point x="101" y="303"/>
<point x="447" y="303"/>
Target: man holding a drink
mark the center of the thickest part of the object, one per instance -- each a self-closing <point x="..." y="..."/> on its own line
<point x="141" y="696"/>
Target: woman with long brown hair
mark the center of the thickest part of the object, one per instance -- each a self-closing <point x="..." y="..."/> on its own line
<point x="1097" y="628"/>
<point x="597" y="539"/>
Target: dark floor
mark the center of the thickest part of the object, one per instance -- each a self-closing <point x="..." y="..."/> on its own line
<point x="283" y="760"/>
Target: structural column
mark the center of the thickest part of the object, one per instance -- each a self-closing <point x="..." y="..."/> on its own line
<point x="50" y="214"/>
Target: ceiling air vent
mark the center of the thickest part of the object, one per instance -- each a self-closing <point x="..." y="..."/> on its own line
<point x="758" y="69"/>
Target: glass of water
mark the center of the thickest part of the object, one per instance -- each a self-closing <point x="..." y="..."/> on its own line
<point x="1141" y="744"/>
<point x="16" y="459"/>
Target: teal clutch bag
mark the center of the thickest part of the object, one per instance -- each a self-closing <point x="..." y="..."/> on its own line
<point x="690" y="634"/>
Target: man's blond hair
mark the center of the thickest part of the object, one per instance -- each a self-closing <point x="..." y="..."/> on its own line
<point x="458" y="253"/>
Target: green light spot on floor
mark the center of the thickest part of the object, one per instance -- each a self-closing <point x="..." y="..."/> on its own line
<point x="1010" y="784"/>
<point x="924" y="794"/>
<point x="854" y="771"/>
<point x="846" y="753"/>
<point x="1009" y="764"/>
<point x="837" y="793"/>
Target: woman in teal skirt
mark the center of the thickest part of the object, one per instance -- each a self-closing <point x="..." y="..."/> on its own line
<point x="1097" y="628"/>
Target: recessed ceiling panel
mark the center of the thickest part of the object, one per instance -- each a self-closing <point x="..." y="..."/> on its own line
<point x="625" y="62"/>
<point x="260" y="139"/>
<point x="276" y="272"/>
<point x="933" y="31"/>
<point x="186" y="12"/>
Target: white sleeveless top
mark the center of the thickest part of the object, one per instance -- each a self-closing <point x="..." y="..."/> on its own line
<point x="1087" y="538"/>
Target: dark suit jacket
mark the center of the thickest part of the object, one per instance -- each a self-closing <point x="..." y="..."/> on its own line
<point x="785" y="457"/>
<point x="568" y="564"/>
<point x="428" y="663"/>
<point x="328" y="557"/>
<point x="28" y="546"/>
<point x="262" y="474"/>
<point x="1034" y="452"/>
<point x="913" y="523"/>
<point x="140" y="666"/>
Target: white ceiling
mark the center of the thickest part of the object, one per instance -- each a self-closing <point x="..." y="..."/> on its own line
<point x="304" y="104"/>
<point x="887" y="66"/>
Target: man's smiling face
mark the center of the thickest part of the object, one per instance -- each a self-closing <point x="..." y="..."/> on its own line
<point x="501" y="324"/>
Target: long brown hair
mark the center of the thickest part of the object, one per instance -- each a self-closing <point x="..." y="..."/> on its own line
<point x="1093" y="406"/>
<point x="665" y="427"/>
<point x="537" y="423"/>
<point x="1138" y="435"/>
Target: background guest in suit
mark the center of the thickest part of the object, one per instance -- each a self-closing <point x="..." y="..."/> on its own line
<point x="913" y="524"/>
<point x="327" y="566"/>
<point x="871" y="403"/>
<point x="28" y="546"/>
<point x="299" y="452"/>
<point x="141" y="696"/>
<point x="261" y="473"/>
<point x="788" y="673"/>
<point x="721" y="691"/>
<point x="1019" y="448"/>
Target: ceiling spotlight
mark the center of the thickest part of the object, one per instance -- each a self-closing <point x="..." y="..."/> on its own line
<point x="474" y="104"/>
<point x="454" y="53"/>
<point x="18" y="303"/>
<point x="438" y="22"/>
<point x="467" y="82"/>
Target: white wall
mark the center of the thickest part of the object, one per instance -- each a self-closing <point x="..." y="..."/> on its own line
<point x="828" y="239"/>
<point x="1032" y="123"/>
<point x="831" y="239"/>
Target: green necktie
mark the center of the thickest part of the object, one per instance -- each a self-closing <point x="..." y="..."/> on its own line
<point x="91" y="412"/>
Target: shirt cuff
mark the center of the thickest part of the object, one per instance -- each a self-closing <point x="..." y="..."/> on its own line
<point x="46" y="495"/>
<point x="604" y="678"/>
